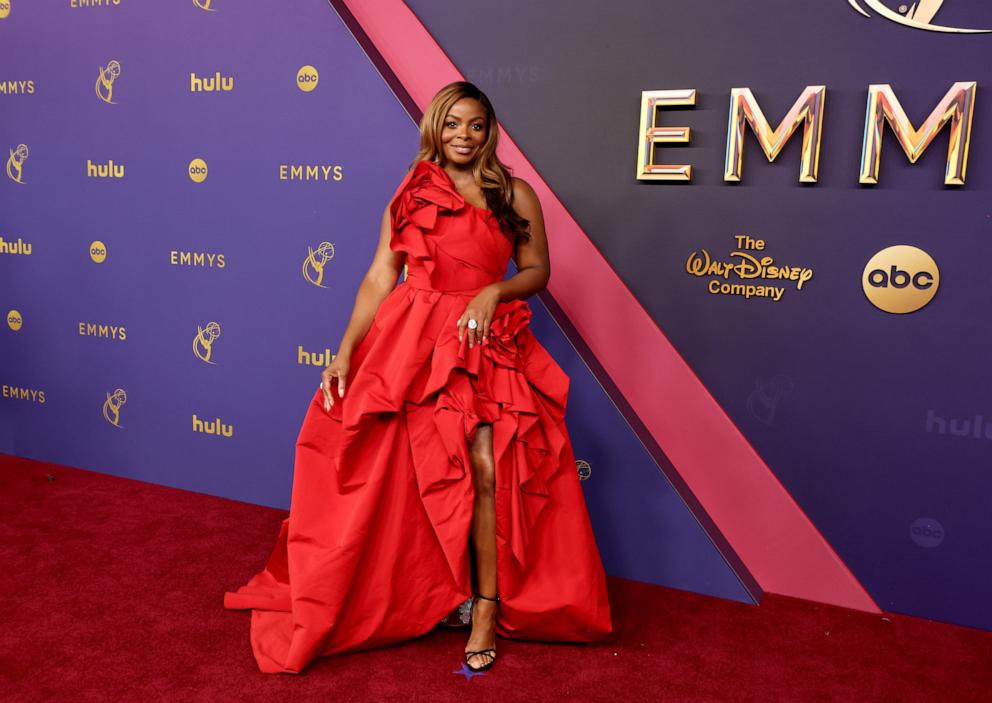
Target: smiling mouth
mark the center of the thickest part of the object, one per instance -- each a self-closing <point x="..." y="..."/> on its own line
<point x="462" y="149"/>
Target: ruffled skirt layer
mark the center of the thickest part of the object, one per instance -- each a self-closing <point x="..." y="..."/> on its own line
<point x="375" y="549"/>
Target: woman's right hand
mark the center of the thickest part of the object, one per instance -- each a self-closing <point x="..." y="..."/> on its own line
<point x="337" y="370"/>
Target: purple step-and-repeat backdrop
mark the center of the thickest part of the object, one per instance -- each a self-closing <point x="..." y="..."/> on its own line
<point x="878" y="423"/>
<point x="192" y="193"/>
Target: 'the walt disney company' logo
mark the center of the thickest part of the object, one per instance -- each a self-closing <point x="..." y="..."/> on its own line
<point x="748" y="264"/>
<point x="918" y="15"/>
<point x="15" y="164"/>
<point x="204" y="340"/>
<point x="313" y="265"/>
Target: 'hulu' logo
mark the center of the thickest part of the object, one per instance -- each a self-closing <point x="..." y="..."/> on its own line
<point x="18" y="247"/>
<point x="975" y="428"/>
<point x="214" y="427"/>
<point x="212" y="84"/>
<point x="107" y="170"/>
<point x="321" y="359"/>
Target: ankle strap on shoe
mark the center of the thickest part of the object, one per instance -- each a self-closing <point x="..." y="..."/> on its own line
<point x="494" y="600"/>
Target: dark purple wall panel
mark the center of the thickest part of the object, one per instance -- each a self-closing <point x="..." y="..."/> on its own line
<point x="861" y="414"/>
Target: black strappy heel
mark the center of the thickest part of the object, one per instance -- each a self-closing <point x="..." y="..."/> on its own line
<point x="489" y="653"/>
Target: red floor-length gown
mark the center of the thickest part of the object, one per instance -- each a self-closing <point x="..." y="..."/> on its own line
<point x="375" y="549"/>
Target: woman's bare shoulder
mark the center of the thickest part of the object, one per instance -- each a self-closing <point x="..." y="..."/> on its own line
<point x="524" y="196"/>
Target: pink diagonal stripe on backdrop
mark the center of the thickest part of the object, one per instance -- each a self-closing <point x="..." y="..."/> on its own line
<point x="760" y="520"/>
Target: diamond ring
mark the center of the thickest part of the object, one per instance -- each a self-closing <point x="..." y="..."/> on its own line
<point x="472" y="324"/>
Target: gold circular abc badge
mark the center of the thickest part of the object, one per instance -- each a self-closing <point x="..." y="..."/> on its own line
<point x="98" y="252"/>
<point x="901" y="279"/>
<point x="4" y="9"/>
<point x="14" y="320"/>
<point x="198" y="170"/>
<point x="306" y="78"/>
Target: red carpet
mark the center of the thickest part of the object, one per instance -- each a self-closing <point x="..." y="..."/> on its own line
<point x="112" y="591"/>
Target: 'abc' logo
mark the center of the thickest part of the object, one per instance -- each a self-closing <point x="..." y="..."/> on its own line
<point x="4" y="9"/>
<point x="198" y="170"/>
<point x="901" y="279"/>
<point x="98" y="252"/>
<point x="14" y="320"/>
<point x="926" y="532"/>
<point x="306" y="78"/>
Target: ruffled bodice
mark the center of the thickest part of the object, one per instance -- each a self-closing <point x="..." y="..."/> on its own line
<point x="459" y="245"/>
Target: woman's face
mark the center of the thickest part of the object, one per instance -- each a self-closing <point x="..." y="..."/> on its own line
<point x="464" y="131"/>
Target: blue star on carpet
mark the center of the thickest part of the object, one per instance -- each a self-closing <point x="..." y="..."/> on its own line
<point x="467" y="672"/>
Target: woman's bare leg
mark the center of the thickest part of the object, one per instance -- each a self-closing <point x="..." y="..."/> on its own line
<point x="484" y="538"/>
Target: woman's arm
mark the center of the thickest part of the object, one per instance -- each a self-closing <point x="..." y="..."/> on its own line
<point x="533" y="268"/>
<point x="531" y="256"/>
<point x="379" y="280"/>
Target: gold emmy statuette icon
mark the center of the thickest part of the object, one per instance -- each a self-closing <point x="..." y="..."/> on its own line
<point x="583" y="468"/>
<point x="15" y="164"/>
<point x="204" y="5"/>
<point x="204" y="340"/>
<point x="313" y="265"/>
<point x="105" y="82"/>
<point x="918" y="15"/>
<point x="112" y="407"/>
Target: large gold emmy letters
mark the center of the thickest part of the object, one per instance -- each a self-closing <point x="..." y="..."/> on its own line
<point x="649" y="135"/>
<point x="956" y="108"/>
<point x="807" y="111"/>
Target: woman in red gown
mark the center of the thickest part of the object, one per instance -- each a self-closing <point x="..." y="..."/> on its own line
<point x="438" y="433"/>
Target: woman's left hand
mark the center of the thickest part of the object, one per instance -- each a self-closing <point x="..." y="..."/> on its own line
<point x="481" y="309"/>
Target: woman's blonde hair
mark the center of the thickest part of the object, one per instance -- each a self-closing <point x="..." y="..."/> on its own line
<point x="492" y="175"/>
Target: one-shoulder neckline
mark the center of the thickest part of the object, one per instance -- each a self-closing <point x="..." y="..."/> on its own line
<point x="462" y="195"/>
